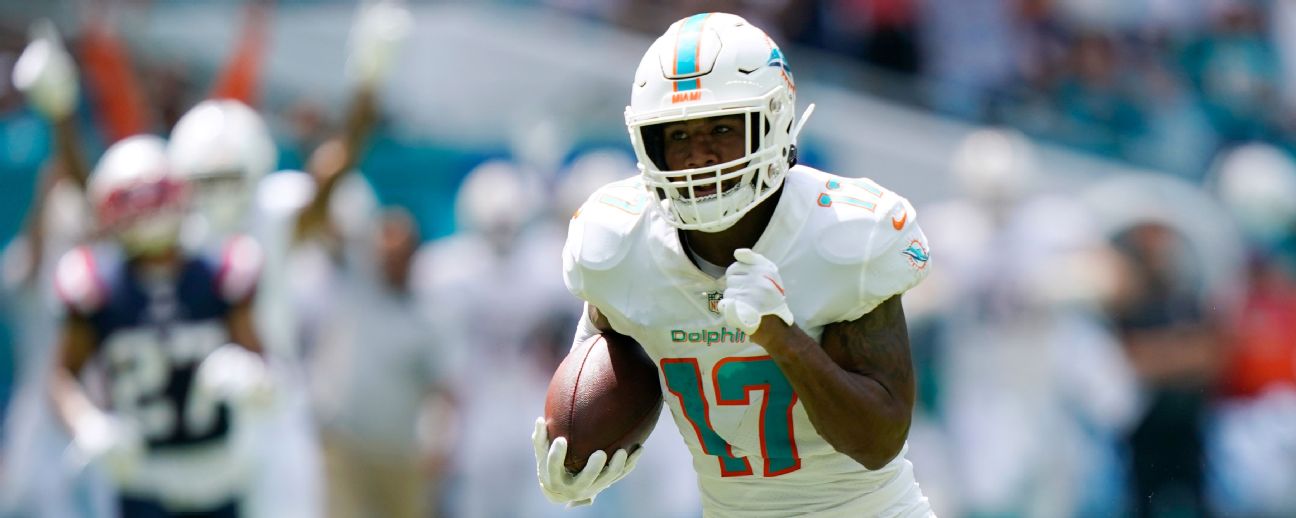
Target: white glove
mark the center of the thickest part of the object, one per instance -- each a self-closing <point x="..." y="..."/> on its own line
<point x="753" y="289"/>
<point x="379" y="30"/>
<point x="236" y="374"/>
<point x="113" y="442"/>
<point x="46" y="74"/>
<point x="562" y="487"/>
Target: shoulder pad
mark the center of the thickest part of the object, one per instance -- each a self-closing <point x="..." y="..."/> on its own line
<point x="239" y="269"/>
<point x="597" y="235"/>
<point x="78" y="281"/>
<point x="865" y="218"/>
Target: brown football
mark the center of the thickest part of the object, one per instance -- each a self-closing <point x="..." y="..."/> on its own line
<point x="604" y="396"/>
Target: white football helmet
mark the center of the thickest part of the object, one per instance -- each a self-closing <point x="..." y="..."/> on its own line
<point x="588" y="172"/>
<point x="711" y="65"/>
<point x="136" y="195"/>
<point x="1257" y="184"/>
<point x="223" y="148"/>
<point x="493" y="202"/>
<point x="995" y="166"/>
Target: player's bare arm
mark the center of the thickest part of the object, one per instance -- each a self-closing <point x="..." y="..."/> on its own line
<point x="330" y="162"/>
<point x="75" y="346"/>
<point x="47" y="75"/>
<point x="67" y="142"/>
<point x="857" y="386"/>
<point x="242" y="327"/>
<point x="97" y="436"/>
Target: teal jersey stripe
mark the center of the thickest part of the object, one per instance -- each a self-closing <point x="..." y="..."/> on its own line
<point x="686" y="51"/>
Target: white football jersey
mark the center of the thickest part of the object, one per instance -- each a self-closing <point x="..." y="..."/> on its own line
<point x="843" y="246"/>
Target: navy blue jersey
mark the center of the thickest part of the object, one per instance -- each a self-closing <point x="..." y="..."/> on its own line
<point x="153" y="331"/>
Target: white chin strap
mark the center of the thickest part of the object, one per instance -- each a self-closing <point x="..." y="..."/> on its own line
<point x="805" y="116"/>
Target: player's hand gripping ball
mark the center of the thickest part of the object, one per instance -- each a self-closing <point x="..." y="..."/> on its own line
<point x="602" y="403"/>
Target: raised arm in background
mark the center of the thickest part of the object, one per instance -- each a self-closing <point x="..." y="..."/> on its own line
<point x="379" y="29"/>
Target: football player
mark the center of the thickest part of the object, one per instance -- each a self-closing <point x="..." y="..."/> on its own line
<point x="773" y="311"/>
<point x="171" y="336"/>
<point x="224" y="148"/>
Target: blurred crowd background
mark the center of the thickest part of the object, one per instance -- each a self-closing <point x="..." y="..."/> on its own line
<point x="1108" y="187"/>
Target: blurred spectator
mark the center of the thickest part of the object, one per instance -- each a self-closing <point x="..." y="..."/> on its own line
<point x="57" y="218"/>
<point x="1254" y="427"/>
<point x="498" y="271"/>
<point x="883" y="33"/>
<point x="1181" y="280"/>
<point x="972" y="49"/>
<point x="1234" y="69"/>
<point x="1174" y="347"/>
<point x="1157" y="83"/>
<point x="381" y="362"/>
<point x="1099" y="113"/>
<point x="1032" y="388"/>
<point x="1256" y="183"/>
<point x="1179" y="138"/>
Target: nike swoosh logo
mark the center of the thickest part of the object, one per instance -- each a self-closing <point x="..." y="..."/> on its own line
<point x="899" y="223"/>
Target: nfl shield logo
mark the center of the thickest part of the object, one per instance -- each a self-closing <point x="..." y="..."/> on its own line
<point x="713" y="300"/>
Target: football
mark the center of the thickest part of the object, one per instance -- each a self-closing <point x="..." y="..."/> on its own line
<point x="604" y="396"/>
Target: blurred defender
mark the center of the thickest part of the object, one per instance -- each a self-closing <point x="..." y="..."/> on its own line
<point x="224" y="148"/>
<point x="171" y="336"/>
<point x="768" y="293"/>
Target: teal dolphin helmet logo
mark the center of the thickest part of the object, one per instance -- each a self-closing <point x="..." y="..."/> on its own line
<point x="776" y="60"/>
<point x="917" y="254"/>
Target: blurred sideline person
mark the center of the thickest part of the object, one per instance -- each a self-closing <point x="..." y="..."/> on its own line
<point x="48" y="77"/>
<point x="1253" y="417"/>
<point x="1180" y="276"/>
<point x="379" y="360"/>
<point x="749" y="247"/>
<point x="383" y="367"/>
<point x="1173" y="343"/>
<point x="1032" y="390"/>
<point x="225" y="149"/>
<point x="171" y="335"/>
<point x="498" y="263"/>
<point x="58" y="219"/>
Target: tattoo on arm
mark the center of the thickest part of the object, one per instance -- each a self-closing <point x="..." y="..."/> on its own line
<point x="876" y="346"/>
